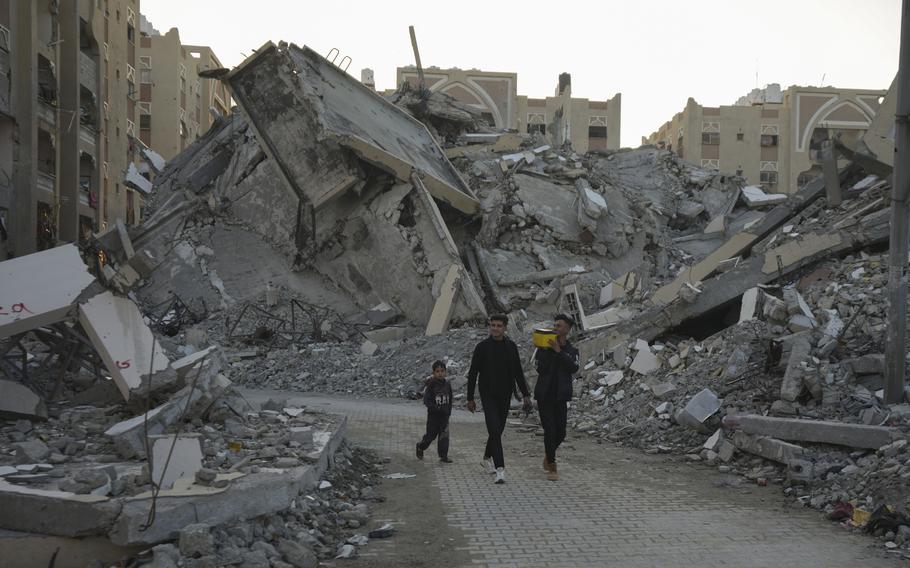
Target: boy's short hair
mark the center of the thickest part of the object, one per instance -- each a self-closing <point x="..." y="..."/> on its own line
<point x="566" y="318"/>
<point x="439" y="364"/>
<point x="502" y="318"/>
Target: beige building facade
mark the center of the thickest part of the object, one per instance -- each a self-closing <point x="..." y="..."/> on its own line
<point x="176" y="106"/>
<point x="584" y="123"/>
<point x="771" y="137"/>
<point x="67" y="120"/>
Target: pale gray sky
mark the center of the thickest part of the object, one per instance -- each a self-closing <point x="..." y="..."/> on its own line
<point x="657" y="53"/>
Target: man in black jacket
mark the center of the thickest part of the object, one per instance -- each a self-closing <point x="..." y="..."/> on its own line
<point x="497" y="363"/>
<point x="555" y="367"/>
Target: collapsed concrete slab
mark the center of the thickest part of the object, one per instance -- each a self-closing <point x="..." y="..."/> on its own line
<point x="249" y="496"/>
<point x="40" y="288"/>
<point x="299" y="103"/>
<point x="128" y="437"/>
<point x="818" y="431"/>
<point x="18" y="401"/>
<point x="135" y="360"/>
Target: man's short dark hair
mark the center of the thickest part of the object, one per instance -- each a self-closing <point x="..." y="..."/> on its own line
<point x="502" y="318"/>
<point x="439" y="364"/>
<point x="566" y="318"/>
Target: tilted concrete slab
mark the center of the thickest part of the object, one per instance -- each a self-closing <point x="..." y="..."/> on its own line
<point x="445" y="302"/>
<point x="729" y="286"/>
<point x="298" y="101"/>
<point x="125" y="343"/>
<point x="741" y="242"/>
<point x="40" y="289"/>
<point x="818" y="431"/>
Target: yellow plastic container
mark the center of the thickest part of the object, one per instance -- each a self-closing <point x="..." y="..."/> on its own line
<point x="542" y="337"/>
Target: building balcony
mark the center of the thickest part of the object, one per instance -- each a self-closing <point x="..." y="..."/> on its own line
<point x="88" y="72"/>
<point x="47" y="113"/>
<point x="46" y="183"/>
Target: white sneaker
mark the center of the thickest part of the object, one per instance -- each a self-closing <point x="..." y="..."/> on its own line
<point x="500" y="475"/>
<point x="488" y="465"/>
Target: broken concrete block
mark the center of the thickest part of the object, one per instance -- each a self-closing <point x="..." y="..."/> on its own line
<point x="31" y="451"/>
<point x="128" y="436"/>
<point x="182" y="462"/>
<point x="611" y="378"/>
<point x="645" y="362"/>
<point x="717" y="225"/>
<point x="749" y="304"/>
<point x="792" y="384"/>
<point x="769" y="448"/>
<point x="873" y="364"/>
<point x="817" y="431"/>
<point x="799" y="322"/>
<point x="144" y="263"/>
<point x="663" y="390"/>
<point x="125" y="279"/>
<point x="386" y="334"/>
<point x="125" y="344"/>
<point x="184" y="365"/>
<point x="714" y="441"/>
<point x="39" y="289"/>
<point x="303" y="435"/>
<point x="18" y="401"/>
<point x="725" y="451"/>
<point x="699" y="408"/>
<point x="196" y="540"/>
<point x="368" y="348"/>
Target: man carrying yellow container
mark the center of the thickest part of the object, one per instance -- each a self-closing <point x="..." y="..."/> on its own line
<point x="556" y="365"/>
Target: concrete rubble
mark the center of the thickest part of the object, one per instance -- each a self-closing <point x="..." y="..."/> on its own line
<point x="323" y="238"/>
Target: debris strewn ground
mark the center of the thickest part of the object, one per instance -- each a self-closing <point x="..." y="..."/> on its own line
<point x="738" y="329"/>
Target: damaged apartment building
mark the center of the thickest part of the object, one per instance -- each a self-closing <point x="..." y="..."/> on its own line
<point x="324" y="237"/>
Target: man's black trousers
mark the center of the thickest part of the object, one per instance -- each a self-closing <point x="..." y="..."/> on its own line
<point x="495" y="413"/>
<point x="553" y="415"/>
<point x="437" y="425"/>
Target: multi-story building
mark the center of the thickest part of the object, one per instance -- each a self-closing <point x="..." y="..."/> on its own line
<point x="176" y="105"/>
<point x="67" y="120"/>
<point x="586" y="124"/>
<point x="771" y="137"/>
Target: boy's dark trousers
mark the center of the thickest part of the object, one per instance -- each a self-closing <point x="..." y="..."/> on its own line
<point x="553" y="416"/>
<point x="437" y="425"/>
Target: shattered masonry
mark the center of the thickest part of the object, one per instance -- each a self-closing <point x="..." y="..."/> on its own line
<point x="325" y="239"/>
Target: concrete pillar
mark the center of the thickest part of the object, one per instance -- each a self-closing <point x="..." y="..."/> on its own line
<point x="24" y="67"/>
<point x="68" y="123"/>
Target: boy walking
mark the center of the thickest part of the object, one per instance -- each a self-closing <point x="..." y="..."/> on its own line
<point x="437" y="397"/>
<point x="555" y="368"/>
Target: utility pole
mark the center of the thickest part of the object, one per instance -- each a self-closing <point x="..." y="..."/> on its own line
<point x="423" y="84"/>
<point x="896" y="350"/>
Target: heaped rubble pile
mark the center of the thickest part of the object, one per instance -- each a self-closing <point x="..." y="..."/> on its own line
<point x="327" y="239"/>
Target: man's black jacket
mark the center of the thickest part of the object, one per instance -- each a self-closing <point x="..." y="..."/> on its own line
<point x="558" y="367"/>
<point x="483" y="364"/>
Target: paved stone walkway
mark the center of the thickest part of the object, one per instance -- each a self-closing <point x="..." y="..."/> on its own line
<point x="612" y="507"/>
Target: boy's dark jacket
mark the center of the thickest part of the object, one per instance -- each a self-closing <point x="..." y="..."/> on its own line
<point x="437" y="395"/>
<point x="559" y="367"/>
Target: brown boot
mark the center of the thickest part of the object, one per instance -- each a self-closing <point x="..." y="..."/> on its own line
<point x="552" y="475"/>
<point x="546" y="464"/>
